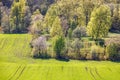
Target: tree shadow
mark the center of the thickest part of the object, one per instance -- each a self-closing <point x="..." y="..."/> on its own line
<point x="44" y="58"/>
<point x="63" y="59"/>
<point x="116" y="61"/>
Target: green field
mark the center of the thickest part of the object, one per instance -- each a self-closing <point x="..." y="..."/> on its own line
<point x="16" y="64"/>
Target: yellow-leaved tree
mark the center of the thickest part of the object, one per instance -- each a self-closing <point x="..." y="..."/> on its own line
<point x="56" y="29"/>
<point x="100" y="22"/>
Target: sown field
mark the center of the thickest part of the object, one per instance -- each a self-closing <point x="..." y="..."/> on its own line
<point x="16" y="64"/>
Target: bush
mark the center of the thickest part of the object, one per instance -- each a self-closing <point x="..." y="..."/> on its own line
<point x="76" y="45"/>
<point x="39" y="48"/>
<point x="114" y="51"/>
<point x="100" y="42"/>
<point x="79" y="32"/>
<point x="78" y="50"/>
<point x="98" y="53"/>
<point x="113" y="48"/>
<point x="59" y="47"/>
<point x="69" y="50"/>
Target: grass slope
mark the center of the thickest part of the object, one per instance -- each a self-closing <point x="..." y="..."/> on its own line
<point x="15" y="64"/>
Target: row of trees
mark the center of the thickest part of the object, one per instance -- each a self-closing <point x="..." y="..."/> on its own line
<point x="16" y="18"/>
<point x="42" y="5"/>
<point x="64" y="20"/>
<point x="66" y="26"/>
<point x="16" y="14"/>
<point x="61" y="48"/>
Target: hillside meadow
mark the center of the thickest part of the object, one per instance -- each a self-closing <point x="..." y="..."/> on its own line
<point x="16" y="64"/>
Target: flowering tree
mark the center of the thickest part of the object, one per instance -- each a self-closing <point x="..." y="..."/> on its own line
<point x="39" y="47"/>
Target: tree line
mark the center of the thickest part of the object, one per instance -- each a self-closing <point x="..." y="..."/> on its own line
<point x="60" y="23"/>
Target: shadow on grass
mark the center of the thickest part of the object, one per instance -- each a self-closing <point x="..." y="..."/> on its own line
<point x="116" y="61"/>
<point x="48" y="58"/>
<point x="67" y="59"/>
<point x="44" y="58"/>
<point x="63" y="59"/>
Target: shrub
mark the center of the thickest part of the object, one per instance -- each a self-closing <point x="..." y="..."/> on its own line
<point x="114" y="51"/>
<point x="113" y="48"/>
<point x="39" y="48"/>
<point x="100" y="42"/>
<point x="76" y="45"/>
<point x="79" y="32"/>
<point x="59" y="47"/>
<point x="69" y="49"/>
<point x="78" y="50"/>
<point x="98" y="53"/>
<point x="83" y="31"/>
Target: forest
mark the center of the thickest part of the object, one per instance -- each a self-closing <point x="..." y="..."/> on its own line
<point x="65" y="29"/>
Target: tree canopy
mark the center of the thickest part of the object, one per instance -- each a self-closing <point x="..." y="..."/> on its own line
<point x="100" y="22"/>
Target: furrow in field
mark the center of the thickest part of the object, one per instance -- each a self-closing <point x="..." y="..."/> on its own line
<point x="42" y="73"/>
<point x="27" y="73"/>
<point x="62" y="68"/>
<point x="86" y="68"/>
<point x="96" y="71"/>
<point x="89" y="72"/>
<point x="109" y="69"/>
<point x="76" y="72"/>
<point x="47" y="73"/>
<point x="20" y="73"/>
<point x="92" y="74"/>
<point x="15" y="73"/>
<point x="3" y="43"/>
<point x="72" y="73"/>
<point x="5" y="70"/>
